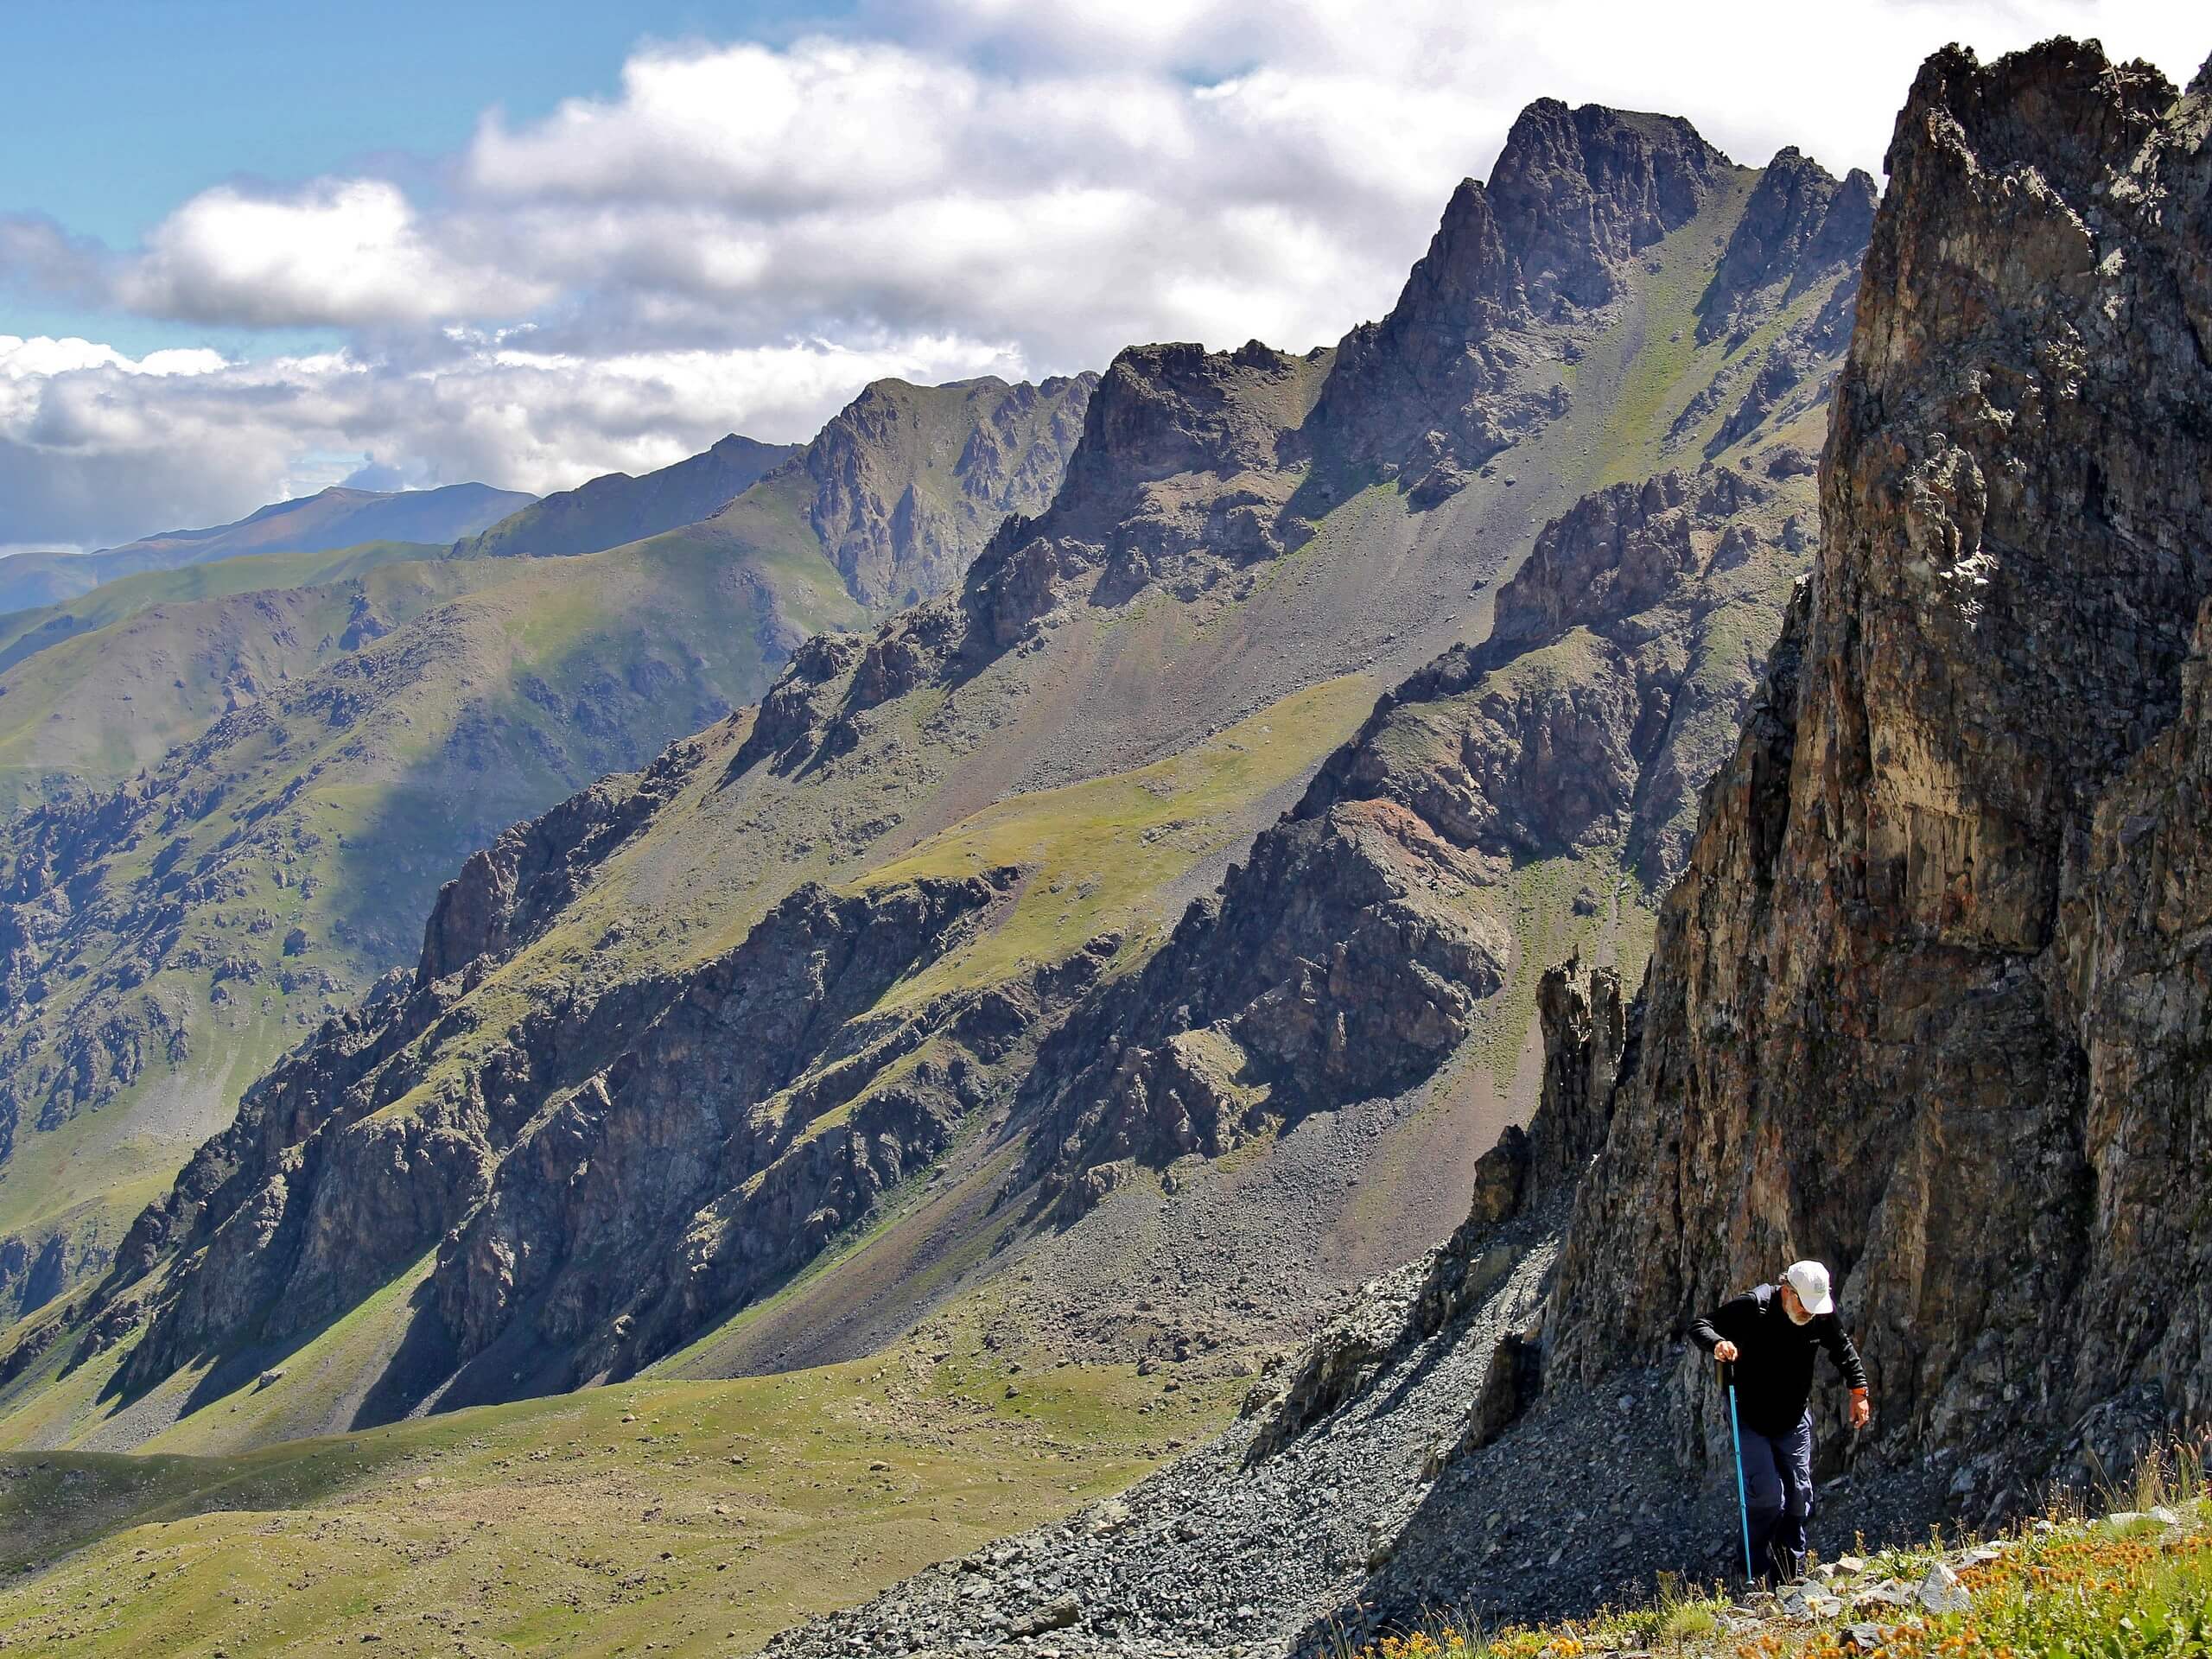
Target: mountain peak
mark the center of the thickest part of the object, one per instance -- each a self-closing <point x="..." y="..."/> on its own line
<point x="1576" y="191"/>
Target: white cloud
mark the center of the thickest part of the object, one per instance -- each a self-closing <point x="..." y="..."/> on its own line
<point x="947" y="185"/>
<point x="21" y="358"/>
<point x="96" y="448"/>
<point x="337" y="251"/>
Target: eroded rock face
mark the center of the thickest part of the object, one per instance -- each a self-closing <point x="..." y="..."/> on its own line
<point x="1577" y="191"/>
<point x="1326" y="971"/>
<point x="508" y="891"/>
<point x="1924" y="1003"/>
<point x="698" y="1164"/>
<point x="1450" y="377"/>
<point x="1800" y="224"/>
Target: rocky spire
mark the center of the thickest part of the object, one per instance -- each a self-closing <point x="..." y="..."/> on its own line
<point x="1575" y="194"/>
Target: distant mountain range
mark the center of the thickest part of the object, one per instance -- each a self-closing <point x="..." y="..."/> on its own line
<point x="330" y="518"/>
<point x="349" y="724"/>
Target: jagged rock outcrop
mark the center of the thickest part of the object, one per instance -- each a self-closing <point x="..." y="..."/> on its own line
<point x="1450" y="377"/>
<point x="1928" y="1000"/>
<point x="1801" y="223"/>
<point x="622" y="1169"/>
<point x="728" y="1142"/>
<point x="1326" y="971"/>
<point x="512" y="888"/>
<point x="1577" y="191"/>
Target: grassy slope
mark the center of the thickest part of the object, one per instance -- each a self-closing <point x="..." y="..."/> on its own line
<point x="22" y="634"/>
<point x="2130" y="1584"/>
<point x="159" y="657"/>
<point x="693" y="1516"/>
<point x="1099" y="854"/>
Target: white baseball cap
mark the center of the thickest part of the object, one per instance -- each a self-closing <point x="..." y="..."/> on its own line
<point x="1810" y="1280"/>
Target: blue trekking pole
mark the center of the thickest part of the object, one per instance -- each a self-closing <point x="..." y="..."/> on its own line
<point x="1736" y="1438"/>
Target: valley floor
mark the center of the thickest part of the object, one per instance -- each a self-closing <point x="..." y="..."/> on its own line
<point x="654" y="1517"/>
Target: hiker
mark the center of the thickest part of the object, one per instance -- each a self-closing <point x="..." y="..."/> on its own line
<point x="1767" y="1334"/>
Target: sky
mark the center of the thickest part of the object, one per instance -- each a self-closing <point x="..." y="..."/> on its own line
<point x="249" y="250"/>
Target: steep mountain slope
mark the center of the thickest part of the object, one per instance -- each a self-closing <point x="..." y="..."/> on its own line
<point x="314" y="759"/>
<point x="1928" y="999"/>
<point x="330" y="518"/>
<point x="91" y="701"/>
<point x="899" y="490"/>
<point x="1368" y="936"/>
<point x="617" y="508"/>
<point x="930" y="846"/>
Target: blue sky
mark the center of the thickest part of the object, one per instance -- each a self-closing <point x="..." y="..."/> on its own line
<point x="138" y="104"/>
<point x="248" y="250"/>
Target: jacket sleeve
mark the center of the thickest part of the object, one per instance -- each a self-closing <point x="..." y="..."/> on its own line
<point x="1727" y="1320"/>
<point x="1833" y="1338"/>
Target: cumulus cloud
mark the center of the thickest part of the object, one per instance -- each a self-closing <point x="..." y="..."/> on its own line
<point x="336" y="252"/>
<point x="740" y="235"/>
<point x="97" y="448"/>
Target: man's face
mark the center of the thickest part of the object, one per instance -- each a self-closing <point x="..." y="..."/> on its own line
<point x="1793" y="1304"/>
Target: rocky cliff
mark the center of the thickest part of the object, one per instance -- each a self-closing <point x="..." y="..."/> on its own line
<point x="1914" y="1007"/>
<point x="909" y="481"/>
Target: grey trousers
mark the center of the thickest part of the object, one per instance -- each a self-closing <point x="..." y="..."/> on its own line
<point x="1778" y="1491"/>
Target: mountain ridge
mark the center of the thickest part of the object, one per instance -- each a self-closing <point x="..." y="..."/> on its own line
<point x="616" y="507"/>
<point x="1191" y="579"/>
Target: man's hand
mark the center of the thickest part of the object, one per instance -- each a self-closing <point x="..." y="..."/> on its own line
<point x="1861" y="1413"/>
<point x="1725" y="1351"/>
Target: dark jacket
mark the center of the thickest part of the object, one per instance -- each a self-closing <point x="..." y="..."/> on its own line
<point x="1774" y="1368"/>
